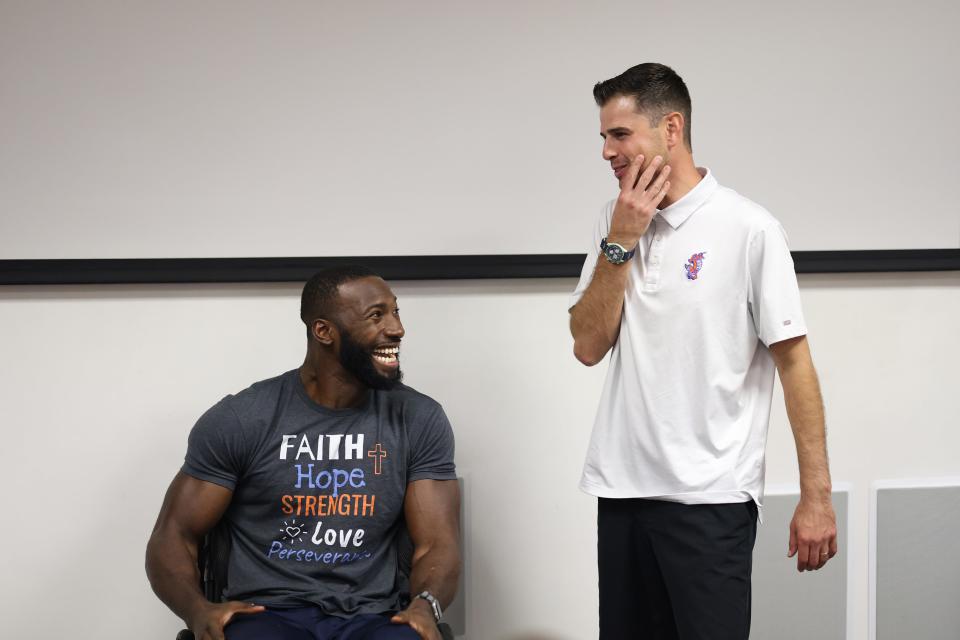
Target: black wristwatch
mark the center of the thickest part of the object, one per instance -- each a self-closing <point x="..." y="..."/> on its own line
<point x="615" y="253"/>
<point x="434" y="604"/>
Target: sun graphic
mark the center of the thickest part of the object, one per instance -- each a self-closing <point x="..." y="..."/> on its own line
<point x="292" y="531"/>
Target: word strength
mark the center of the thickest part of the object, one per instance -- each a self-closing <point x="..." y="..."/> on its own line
<point x="346" y="504"/>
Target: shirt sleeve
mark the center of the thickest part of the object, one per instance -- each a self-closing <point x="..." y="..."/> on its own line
<point x="215" y="447"/>
<point x="774" y="296"/>
<point x="432" y="448"/>
<point x="600" y="231"/>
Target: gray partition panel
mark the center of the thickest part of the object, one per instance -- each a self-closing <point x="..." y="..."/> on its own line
<point x="788" y="605"/>
<point x="918" y="564"/>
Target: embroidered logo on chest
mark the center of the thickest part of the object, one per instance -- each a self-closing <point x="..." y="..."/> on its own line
<point x="694" y="264"/>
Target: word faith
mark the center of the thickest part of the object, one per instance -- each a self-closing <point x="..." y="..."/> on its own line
<point x="351" y="446"/>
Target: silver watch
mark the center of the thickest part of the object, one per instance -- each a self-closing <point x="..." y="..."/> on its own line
<point x="434" y="604"/>
<point x="616" y="253"/>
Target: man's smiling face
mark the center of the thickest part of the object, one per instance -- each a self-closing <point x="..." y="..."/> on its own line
<point x="627" y="134"/>
<point x="370" y="332"/>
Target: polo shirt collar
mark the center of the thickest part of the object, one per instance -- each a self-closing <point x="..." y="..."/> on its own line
<point x="678" y="212"/>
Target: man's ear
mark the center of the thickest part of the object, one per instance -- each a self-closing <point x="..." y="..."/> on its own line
<point x="324" y="331"/>
<point x="673" y="129"/>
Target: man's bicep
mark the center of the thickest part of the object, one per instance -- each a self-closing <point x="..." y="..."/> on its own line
<point x="192" y="506"/>
<point x="432" y="511"/>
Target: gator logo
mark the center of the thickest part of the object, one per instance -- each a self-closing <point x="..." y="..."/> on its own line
<point x="694" y="264"/>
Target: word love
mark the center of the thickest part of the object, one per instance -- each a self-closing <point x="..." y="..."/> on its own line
<point x="330" y="537"/>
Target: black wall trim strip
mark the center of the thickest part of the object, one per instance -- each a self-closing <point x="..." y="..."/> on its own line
<point x="877" y="261"/>
<point x="558" y="265"/>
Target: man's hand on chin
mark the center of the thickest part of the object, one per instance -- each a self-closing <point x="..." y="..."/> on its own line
<point x="419" y="616"/>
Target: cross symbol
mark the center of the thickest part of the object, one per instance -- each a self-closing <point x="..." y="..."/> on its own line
<point x="378" y="453"/>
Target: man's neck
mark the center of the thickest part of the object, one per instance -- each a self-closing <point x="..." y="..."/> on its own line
<point x="683" y="178"/>
<point x="329" y="385"/>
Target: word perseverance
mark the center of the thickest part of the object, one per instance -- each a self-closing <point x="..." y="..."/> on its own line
<point x="346" y="504"/>
<point x="280" y="552"/>
<point x="352" y="447"/>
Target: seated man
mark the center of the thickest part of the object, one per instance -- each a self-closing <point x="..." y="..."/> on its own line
<point x="314" y="473"/>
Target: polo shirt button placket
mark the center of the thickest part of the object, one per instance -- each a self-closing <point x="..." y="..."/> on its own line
<point x="652" y="281"/>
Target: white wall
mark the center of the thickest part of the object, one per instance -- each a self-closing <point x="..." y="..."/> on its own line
<point x="100" y="386"/>
<point x="142" y="129"/>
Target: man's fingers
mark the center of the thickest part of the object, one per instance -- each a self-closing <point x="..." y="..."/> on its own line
<point x="633" y="170"/>
<point x="803" y="557"/>
<point x="824" y="556"/>
<point x="658" y="198"/>
<point x="233" y="608"/>
<point x="647" y="176"/>
<point x="241" y="608"/>
<point x="658" y="184"/>
<point x="829" y="549"/>
<point x="813" y="557"/>
<point x="792" y="549"/>
<point x="249" y="607"/>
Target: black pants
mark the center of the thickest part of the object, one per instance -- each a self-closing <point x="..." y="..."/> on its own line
<point x="310" y="623"/>
<point x="672" y="571"/>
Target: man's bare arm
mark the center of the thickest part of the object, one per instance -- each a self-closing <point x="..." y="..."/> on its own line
<point x="813" y="531"/>
<point x="432" y="512"/>
<point x="190" y="509"/>
<point x="595" y="319"/>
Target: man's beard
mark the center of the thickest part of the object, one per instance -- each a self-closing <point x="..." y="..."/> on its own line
<point x="358" y="361"/>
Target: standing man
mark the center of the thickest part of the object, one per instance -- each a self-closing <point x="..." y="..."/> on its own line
<point x="313" y="474"/>
<point x="691" y="288"/>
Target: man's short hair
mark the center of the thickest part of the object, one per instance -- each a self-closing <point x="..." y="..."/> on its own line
<point x="657" y="90"/>
<point x="320" y="294"/>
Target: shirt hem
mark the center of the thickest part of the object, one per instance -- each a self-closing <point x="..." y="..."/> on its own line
<point x="206" y="477"/>
<point x="306" y="601"/>
<point x="735" y="496"/>
<point x="692" y="497"/>
<point x="792" y="332"/>
<point x="429" y="475"/>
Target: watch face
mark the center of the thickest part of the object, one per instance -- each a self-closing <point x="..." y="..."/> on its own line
<point x="614" y="253"/>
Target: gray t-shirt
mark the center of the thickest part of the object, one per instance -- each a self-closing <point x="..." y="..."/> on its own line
<point x="317" y="492"/>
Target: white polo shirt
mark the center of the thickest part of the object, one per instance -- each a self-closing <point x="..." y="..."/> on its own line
<point x="686" y="403"/>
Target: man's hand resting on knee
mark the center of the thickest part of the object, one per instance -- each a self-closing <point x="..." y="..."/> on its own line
<point x="209" y="622"/>
<point x="420" y="618"/>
